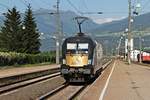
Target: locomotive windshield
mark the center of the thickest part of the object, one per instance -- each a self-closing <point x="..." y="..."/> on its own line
<point x="77" y="48"/>
<point x="71" y="46"/>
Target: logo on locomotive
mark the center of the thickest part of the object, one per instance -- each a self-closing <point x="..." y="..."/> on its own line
<point x="76" y="60"/>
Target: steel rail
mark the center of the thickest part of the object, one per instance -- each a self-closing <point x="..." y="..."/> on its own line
<point x="18" y="85"/>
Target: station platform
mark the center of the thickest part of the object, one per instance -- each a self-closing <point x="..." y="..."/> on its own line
<point x="128" y="82"/>
<point x="121" y="81"/>
<point x="23" y="70"/>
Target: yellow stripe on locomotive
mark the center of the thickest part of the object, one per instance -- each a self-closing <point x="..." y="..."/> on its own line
<point x="76" y="60"/>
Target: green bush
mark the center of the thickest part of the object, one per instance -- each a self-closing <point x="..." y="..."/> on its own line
<point x="13" y="58"/>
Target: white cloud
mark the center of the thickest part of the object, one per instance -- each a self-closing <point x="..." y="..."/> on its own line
<point x="106" y="20"/>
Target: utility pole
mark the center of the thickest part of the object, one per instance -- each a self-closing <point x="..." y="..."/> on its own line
<point x="58" y="35"/>
<point x="140" y="60"/>
<point x="129" y="32"/>
<point x="119" y="45"/>
<point x="140" y="43"/>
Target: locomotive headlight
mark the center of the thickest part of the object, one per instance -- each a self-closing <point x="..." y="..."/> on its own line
<point x="64" y="61"/>
<point x="87" y="71"/>
<point x="81" y="69"/>
<point x="89" y="61"/>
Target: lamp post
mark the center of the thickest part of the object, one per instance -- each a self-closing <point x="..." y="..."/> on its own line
<point x="58" y="22"/>
<point x="136" y="12"/>
<point x="57" y="48"/>
<point x="129" y="32"/>
<point x="140" y="44"/>
<point x="140" y="48"/>
<point x="58" y="33"/>
<point x="42" y="36"/>
<point x="126" y="51"/>
<point x="57" y="45"/>
<point x="125" y="45"/>
<point x="23" y="27"/>
<point x="119" y="45"/>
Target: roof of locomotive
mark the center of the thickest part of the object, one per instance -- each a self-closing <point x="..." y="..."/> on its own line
<point x="80" y="38"/>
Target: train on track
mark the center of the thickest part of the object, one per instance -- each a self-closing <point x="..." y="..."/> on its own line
<point x="81" y="58"/>
<point x="145" y="57"/>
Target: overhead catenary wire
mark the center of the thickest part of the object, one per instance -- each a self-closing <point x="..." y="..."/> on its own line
<point x="85" y="4"/>
<point x="36" y="4"/>
<point x="44" y="2"/>
<point x="78" y="11"/>
<point x="31" y="2"/>
<point x="4" y="6"/>
<point x="24" y="2"/>
<point x="89" y="13"/>
<point x="145" y="5"/>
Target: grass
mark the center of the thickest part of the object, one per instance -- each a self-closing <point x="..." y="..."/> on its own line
<point x="21" y="59"/>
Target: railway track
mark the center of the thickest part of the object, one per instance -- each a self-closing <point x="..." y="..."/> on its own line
<point x="68" y="91"/>
<point x="9" y="80"/>
<point x="48" y="94"/>
<point x="32" y="91"/>
<point x="20" y="84"/>
<point x="64" y="92"/>
<point x="47" y="87"/>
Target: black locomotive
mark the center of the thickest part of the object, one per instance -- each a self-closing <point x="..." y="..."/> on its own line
<point x="81" y="58"/>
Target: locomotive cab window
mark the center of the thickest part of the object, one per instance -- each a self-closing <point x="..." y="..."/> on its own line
<point x="71" y="48"/>
<point x="77" y="48"/>
<point x="83" y="48"/>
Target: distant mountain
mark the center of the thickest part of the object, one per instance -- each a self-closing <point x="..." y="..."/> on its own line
<point x="141" y="22"/>
<point x="47" y="25"/>
<point x="109" y="42"/>
<point x="46" y="22"/>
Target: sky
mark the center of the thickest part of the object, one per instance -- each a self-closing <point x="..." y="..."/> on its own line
<point x="112" y="9"/>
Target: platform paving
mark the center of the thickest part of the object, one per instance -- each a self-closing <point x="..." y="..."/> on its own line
<point x="128" y="82"/>
<point x="24" y="70"/>
<point x="121" y="81"/>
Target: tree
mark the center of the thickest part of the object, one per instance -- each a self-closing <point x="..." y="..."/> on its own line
<point x="10" y="35"/>
<point x="31" y="35"/>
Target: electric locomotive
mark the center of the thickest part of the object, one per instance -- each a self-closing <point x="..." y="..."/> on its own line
<point x="81" y="58"/>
